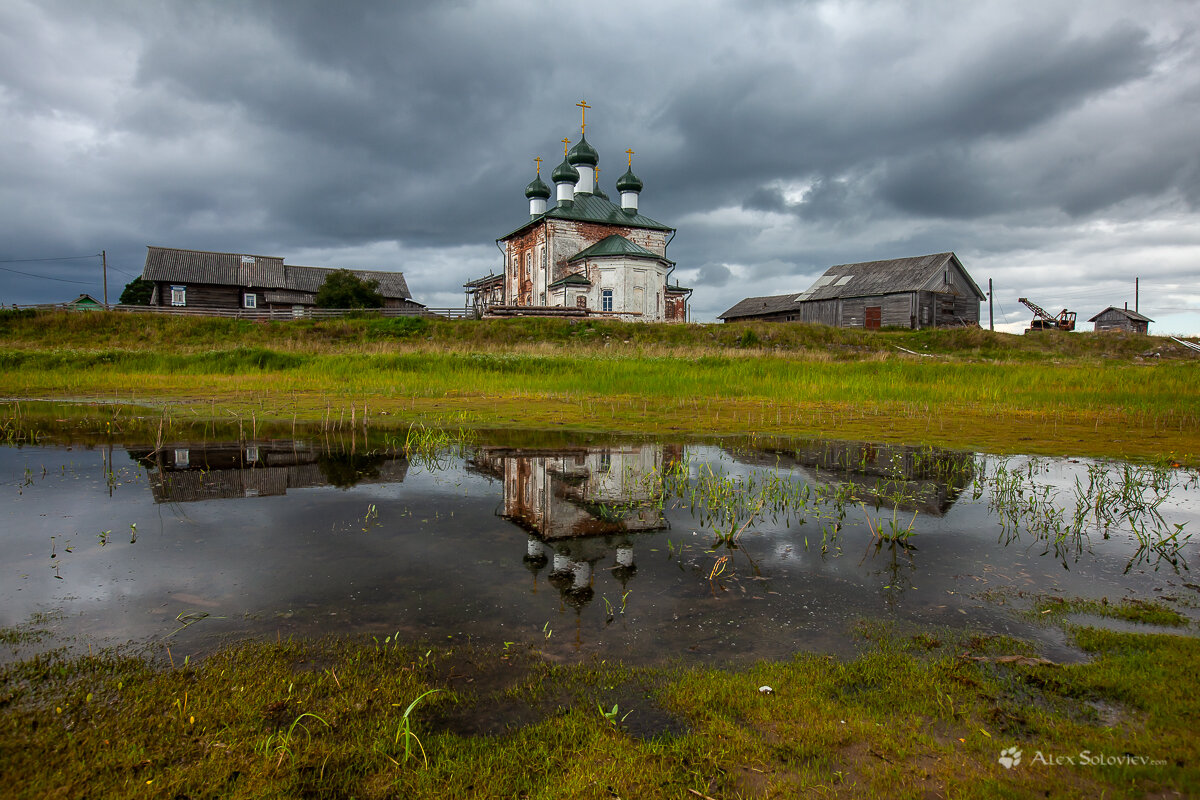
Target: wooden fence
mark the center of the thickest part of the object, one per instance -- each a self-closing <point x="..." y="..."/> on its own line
<point x="266" y="314"/>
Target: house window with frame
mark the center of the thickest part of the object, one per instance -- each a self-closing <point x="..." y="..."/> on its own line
<point x="250" y="300"/>
<point x="179" y="295"/>
<point x="606" y="299"/>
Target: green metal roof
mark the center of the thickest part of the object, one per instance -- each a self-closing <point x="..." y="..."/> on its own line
<point x="583" y="153"/>
<point x="591" y="208"/>
<point x="574" y="279"/>
<point x="615" y="246"/>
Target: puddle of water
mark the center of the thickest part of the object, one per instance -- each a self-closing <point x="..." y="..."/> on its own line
<point x="577" y="549"/>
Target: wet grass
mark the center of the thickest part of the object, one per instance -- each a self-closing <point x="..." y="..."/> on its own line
<point x="927" y="715"/>
<point x="1054" y="609"/>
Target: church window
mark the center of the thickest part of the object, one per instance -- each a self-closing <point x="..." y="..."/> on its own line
<point x="606" y="300"/>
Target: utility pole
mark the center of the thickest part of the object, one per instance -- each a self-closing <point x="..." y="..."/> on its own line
<point x="1136" y="281"/>
<point x="104" y="267"/>
<point x="991" y="319"/>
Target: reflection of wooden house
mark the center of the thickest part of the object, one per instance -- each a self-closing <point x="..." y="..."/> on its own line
<point x="189" y="472"/>
<point x="564" y="494"/>
<point x="927" y="480"/>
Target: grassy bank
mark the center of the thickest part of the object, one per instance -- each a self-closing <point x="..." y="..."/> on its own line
<point x="1055" y="394"/>
<point x="922" y="716"/>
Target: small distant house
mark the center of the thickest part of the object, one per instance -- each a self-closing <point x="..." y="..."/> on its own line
<point x="208" y="280"/>
<point x="1121" y="319"/>
<point x="85" y="302"/>
<point x="932" y="291"/>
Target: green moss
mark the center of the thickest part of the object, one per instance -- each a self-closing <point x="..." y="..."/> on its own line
<point x="324" y="719"/>
<point x="1130" y="610"/>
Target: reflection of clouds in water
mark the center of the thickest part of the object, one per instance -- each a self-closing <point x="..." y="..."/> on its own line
<point x="445" y="556"/>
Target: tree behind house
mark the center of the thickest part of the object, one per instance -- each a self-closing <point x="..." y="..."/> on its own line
<point x="343" y="289"/>
<point x="137" y="293"/>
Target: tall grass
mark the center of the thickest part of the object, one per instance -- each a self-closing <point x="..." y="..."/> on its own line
<point x="1079" y="394"/>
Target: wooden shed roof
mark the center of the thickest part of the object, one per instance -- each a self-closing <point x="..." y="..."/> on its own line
<point x="867" y="278"/>
<point x="759" y="306"/>
<point x="864" y="279"/>
<point x="1130" y="314"/>
<point x="170" y="264"/>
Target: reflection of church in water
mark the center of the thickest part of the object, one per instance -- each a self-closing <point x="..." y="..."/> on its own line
<point x="582" y="508"/>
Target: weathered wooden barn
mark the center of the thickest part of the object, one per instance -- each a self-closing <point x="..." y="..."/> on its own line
<point x="1121" y="319"/>
<point x="207" y="280"/>
<point x="930" y="291"/>
<point x="584" y="255"/>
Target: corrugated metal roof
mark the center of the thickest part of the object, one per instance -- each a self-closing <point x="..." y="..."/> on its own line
<point x="864" y="279"/>
<point x="867" y="278"/>
<point x="1131" y="314"/>
<point x="574" y="279"/>
<point x="615" y="245"/>
<point x="265" y="272"/>
<point x="758" y="306"/>
<point x="486" y="281"/>
<point x="594" y="208"/>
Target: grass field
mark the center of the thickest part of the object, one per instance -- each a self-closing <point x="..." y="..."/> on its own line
<point x="928" y="715"/>
<point x="924" y="715"/>
<point x="1079" y="394"/>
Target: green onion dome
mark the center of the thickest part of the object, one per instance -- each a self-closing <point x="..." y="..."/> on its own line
<point x="565" y="173"/>
<point x="583" y="153"/>
<point x="629" y="182"/>
<point x="537" y="188"/>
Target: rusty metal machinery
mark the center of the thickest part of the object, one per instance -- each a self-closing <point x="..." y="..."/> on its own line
<point x="1065" y="321"/>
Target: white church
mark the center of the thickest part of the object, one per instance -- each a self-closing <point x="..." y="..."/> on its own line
<point x="584" y="255"/>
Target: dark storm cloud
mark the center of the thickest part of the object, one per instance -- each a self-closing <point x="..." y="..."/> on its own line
<point x="780" y="138"/>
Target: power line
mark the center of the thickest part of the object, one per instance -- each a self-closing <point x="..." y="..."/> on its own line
<point x="46" y="277"/>
<point x="30" y="260"/>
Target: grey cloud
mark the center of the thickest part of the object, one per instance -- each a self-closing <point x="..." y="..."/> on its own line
<point x="714" y="275"/>
<point x="286" y="126"/>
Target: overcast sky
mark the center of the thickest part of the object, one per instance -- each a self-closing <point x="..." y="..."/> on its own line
<point x="1052" y="145"/>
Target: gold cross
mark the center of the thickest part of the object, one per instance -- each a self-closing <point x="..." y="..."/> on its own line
<point x="565" y="142"/>
<point x="597" y="176"/>
<point x="539" y="165"/>
<point x="583" y="107"/>
<point x="630" y="152"/>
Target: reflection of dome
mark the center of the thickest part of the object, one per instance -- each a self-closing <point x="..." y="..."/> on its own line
<point x="535" y="564"/>
<point x="562" y="574"/>
<point x="578" y="598"/>
<point x="535" y="557"/>
<point x="625" y="568"/>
